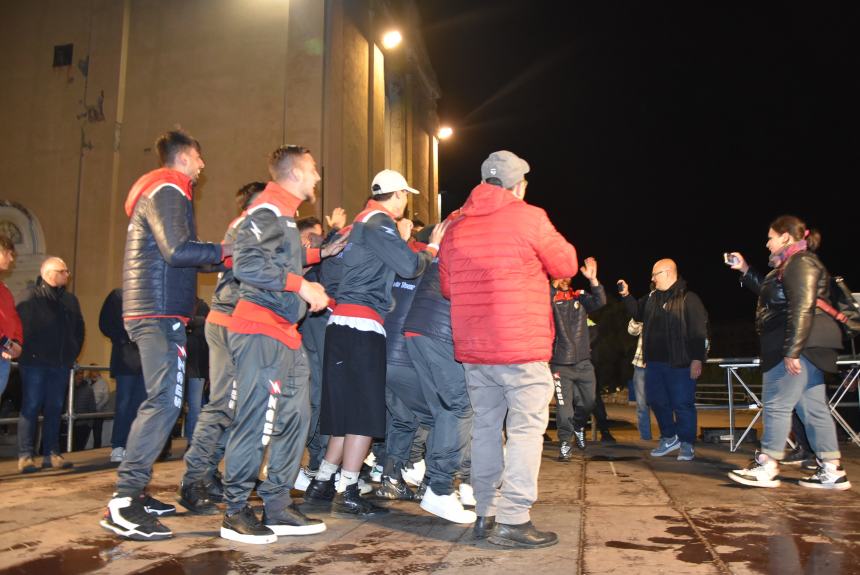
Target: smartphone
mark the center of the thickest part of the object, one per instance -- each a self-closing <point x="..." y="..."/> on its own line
<point x="730" y="259"/>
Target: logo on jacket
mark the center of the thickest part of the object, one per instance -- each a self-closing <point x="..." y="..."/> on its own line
<point x="258" y="233"/>
<point x="389" y="231"/>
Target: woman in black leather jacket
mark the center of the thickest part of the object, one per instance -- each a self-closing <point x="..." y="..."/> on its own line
<point x="799" y="342"/>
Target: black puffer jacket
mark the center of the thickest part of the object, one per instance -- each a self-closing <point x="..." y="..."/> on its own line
<point x="570" y="311"/>
<point x="403" y="292"/>
<point x="53" y="327"/>
<point x="787" y="319"/>
<point x="431" y="311"/>
<point x="162" y="253"/>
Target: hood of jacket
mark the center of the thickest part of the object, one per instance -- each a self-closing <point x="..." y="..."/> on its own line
<point x="487" y="199"/>
<point x="153" y="180"/>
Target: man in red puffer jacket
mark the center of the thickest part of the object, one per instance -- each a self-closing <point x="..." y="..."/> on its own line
<point x="494" y="265"/>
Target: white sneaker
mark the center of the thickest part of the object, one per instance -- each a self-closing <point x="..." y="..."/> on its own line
<point x="376" y="474"/>
<point x="370" y="460"/>
<point x="447" y="507"/>
<point x="415" y="474"/>
<point x="828" y="476"/>
<point x="117" y="454"/>
<point x="304" y="478"/>
<point x="762" y="472"/>
<point x="467" y="495"/>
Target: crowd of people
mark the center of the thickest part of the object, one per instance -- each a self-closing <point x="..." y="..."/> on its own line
<point x="445" y="343"/>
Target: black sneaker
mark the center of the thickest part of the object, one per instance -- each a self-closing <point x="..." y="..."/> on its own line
<point x="388" y="489"/>
<point x="319" y="490"/>
<point x="565" y="450"/>
<point x="523" y="536"/>
<point x="195" y="498"/>
<point x="291" y="521"/>
<point x="244" y="527"/>
<point x="798" y="456"/>
<point x="350" y="503"/>
<point x="422" y="489"/>
<point x="215" y="488"/>
<point x="483" y="527"/>
<point x="155" y="507"/>
<point x="127" y="517"/>
<point x="606" y="437"/>
<point x="579" y="437"/>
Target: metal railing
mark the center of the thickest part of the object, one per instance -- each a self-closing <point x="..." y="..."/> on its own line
<point x="70" y="416"/>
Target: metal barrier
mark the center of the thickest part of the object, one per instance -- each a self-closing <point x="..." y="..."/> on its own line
<point x="732" y="365"/>
<point x="70" y="416"/>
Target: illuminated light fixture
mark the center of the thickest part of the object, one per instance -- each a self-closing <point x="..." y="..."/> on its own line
<point x="391" y="39"/>
<point x="445" y="132"/>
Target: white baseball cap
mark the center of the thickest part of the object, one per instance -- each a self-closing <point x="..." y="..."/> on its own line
<point x="388" y="181"/>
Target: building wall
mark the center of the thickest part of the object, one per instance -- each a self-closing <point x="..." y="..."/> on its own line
<point x="242" y="77"/>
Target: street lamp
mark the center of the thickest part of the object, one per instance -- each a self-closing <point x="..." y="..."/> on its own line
<point x="391" y="39"/>
<point x="445" y="132"/>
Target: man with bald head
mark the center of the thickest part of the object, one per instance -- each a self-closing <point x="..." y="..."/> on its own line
<point x="674" y="346"/>
<point x="53" y="337"/>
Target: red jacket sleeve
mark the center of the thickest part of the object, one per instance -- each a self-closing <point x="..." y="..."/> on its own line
<point x="10" y="322"/>
<point x="556" y="253"/>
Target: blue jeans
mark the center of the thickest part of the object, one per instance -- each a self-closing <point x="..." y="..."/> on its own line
<point x="643" y="413"/>
<point x="5" y="367"/>
<point x="194" y="401"/>
<point x="44" y="390"/>
<point x="783" y="392"/>
<point x="130" y="393"/>
<point x="671" y="394"/>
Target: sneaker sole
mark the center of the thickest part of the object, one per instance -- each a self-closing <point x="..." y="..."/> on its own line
<point x="686" y="457"/>
<point x="297" y="529"/>
<point x="197" y="510"/>
<point x="502" y="542"/>
<point x="250" y="539"/>
<point x="132" y="534"/>
<point x="467" y="518"/>
<point x="377" y="512"/>
<point x="751" y="483"/>
<point x="830" y="487"/>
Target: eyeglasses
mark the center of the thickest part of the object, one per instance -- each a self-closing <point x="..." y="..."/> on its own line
<point x="61" y="271"/>
<point x="655" y="274"/>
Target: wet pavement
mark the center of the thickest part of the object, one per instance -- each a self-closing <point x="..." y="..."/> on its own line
<point x="616" y="510"/>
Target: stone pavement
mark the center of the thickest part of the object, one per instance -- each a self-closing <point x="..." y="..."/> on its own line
<point x="616" y="510"/>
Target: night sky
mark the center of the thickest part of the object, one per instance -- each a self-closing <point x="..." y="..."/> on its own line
<point x="660" y="129"/>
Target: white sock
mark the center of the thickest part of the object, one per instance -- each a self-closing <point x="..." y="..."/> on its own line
<point x="326" y="470"/>
<point x="347" y="478"/>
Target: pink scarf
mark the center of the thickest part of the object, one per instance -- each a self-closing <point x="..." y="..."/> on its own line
<point x="778" y="259"/>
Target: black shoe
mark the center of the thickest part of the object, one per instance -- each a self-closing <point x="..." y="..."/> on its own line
<point x="483" y="526"/>
<point x="244" y="527"/>
<point x="365" y="472"/>
<point x="547" y="438"/>
<point x="215" y="488"/>
<point x="606" y="437"/>
<point x="524" y="536"/>
<point x="389" y="490"/>
<point x="195" y="498"/>
<point x="798" y="456"/>
<point x="320" y="490"/>
<point x="422" y="489"/>
<point x="155" y="507"/>
<point x="565" y="450"/>
<point x="291" y="521"/>
<point x="127" y="517"/>
<point x="350" y="503"/>
<point x="579" y="437"/>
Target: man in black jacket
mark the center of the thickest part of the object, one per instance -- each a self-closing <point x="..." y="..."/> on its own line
<point x="125" y="369"/>
<point x="53" y="337"/>
<point x="572" y="370"/>
<point x="162" y="258"/>
<point x="674" y="346"/>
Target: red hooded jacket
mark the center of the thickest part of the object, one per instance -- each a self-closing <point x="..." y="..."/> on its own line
<point x="495" y="263"/>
